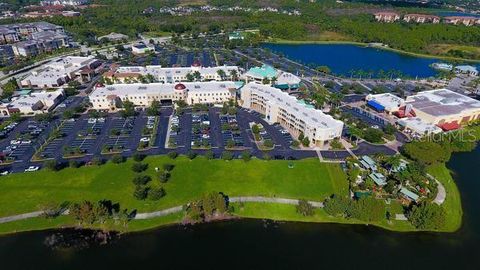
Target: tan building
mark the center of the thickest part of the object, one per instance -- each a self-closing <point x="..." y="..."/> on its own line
<point x="468" y="21"/>
<point x="421" y="18"/>
<point x="444" y="108"/>
<point x="387" y="17"/>
<point x="110" y="97"/>
<point x="292" y="114"/>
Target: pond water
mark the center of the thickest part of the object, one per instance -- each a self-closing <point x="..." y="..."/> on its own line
<point x="347" y="59"/>
<point x="257" y="244"/>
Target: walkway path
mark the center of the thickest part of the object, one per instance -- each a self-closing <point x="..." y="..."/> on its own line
<point x="21" y="216"/>
<point x="441" y="194"/>
<point x="179" y="208"/>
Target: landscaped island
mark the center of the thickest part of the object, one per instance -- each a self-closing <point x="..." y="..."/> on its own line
<point x="189" y="180"/>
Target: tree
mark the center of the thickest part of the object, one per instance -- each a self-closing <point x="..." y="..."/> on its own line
<point x="172" y="155"/>
<point x="337" y="205"/>
<point x="139" y="167"/>
<point x="154" y="108"/>
<point x="393" y="162"/>
<point x="117" y="159"/>
<point x="373" y="135"/>
<point x="138" y="157"/>
<point x="128" y="109"/>
<point x="427" y="216"/>
<point x="268" y="143"/>
<point x="389" y="129"/>
<point x="191" y="155"/>
<point x="140" y="192"/>
<point x="68" y="114"/>
<point x="168" y="167"/>
<point x="324" y="69"/>
<point x="74" y="163"/>
<point x="9" y="88"/>
<point x="304" y="208"/>
<point x="83" y="212"/>
<point x="51" y="165"/>
<point x="97" y="161"/>
<point x="233" y="75"/>
<point x="156" y="193"/>
<point x="163" y="176"/>
<point x="209" y="154"/>
<point x="426" y="152"/>
<point x="141" y="180"/>
<point x="306" y="141"/>
<point x="221" y="73"/>
<point x="227" y="155"/>
<point x="246" y="155"/>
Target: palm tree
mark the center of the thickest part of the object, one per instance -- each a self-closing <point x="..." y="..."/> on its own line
<point x="234" y="74"/>
<point x="393" y="162"/>
<point x="221" y="74"/>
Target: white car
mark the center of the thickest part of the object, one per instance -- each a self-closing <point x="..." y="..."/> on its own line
<point x="92" y="120"/>
<point x="4" y="173"/>
<point x="145" y="139"/>
<point x="32" y="169"/>
<point x="14" y="142"/>
<point x="26" y="142"/>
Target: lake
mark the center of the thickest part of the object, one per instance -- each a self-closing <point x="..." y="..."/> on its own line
<point x="342" y="59"/>
<point x="255" y="244"/>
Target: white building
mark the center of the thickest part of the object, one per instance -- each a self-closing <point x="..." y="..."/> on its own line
<point x="110" y="97"/>
<point x="61" y="71"/>
<point x="444" y="108"/>
<point x="33" y="103"/>
<point x="270" y="75"/>
<point x="389" y="102"/>
<point x="294" y="115"/>
<point x="173" y="74"/>
<point x="465" y="69"/>
<point x="142" y="48"/>
<point x="416" y="126"/>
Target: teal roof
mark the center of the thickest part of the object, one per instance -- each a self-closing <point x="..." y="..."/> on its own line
<point x="23" y="92"/>
<point x="302" y="102"/>
<point x="265" y="71"/>
<point x="235" y="35"/>
<point x="239" y="84"/>
<point x="378" y="178"/>
<point x="368" y="160"/>
<point x="409" y="194"/>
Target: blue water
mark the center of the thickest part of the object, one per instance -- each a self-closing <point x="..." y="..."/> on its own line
<point x="343" y="58"/>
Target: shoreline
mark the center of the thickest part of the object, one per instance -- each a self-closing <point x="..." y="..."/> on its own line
<point x="366" y="45"/>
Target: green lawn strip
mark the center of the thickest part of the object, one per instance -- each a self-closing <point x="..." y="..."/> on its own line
<point x="27" y="192"/>
<point x="35" y="224"/>
<point x="453" y="203"/>
<point x="285" y="212"/>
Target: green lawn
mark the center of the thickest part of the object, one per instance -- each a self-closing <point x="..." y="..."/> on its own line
<point x="309" y="179"/>
<point x="453" y="203"/>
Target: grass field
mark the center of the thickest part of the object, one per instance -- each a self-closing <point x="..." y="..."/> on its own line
<point x="453" y="203"/>
<point x="309" y="179"/>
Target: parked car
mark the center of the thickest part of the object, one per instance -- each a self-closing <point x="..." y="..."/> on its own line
<point x="32" y="169"/>
<point x="144" y="139"/>
<point x="4" y="172"/>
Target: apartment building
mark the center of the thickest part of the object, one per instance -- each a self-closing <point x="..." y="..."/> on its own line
<point x="421" y="18"/>
<point x="467" y="21"/>
<point x="110" y="97"/>
<point x="292" y="114"/>
<point x="387" y="17"/>
<point x="64" y="2"/>
<point x="30" y="39"/>
<point x="173" y="74"/>
<point x="59" y="72"/>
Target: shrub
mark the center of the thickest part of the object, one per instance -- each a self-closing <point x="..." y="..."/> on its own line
<point x="139" y="167"/>
<point x="168" y="167"/>
<point x="51" y="165"/>
<point x="191" y="155"/>
<point x="97" y="161"/>
<point x="209" y="154"/>
<point x="156" y="194"/>
<point x="172" y="155"/>
<point x="246" y="156"/>
<point x="227" y="155"/>
<point x="138" y="157"/>
<point x="140" y="192"/>
<point x="141" y="180"/>
<point x="163" y="176"/>
<point x="74" y="164"/>
<point x="117" y="159"/>
<point x="305" y="208"/>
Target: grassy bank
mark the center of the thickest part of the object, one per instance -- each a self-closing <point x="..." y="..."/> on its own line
<point x="423" y="55"/>
<point x="191" y="179"/>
